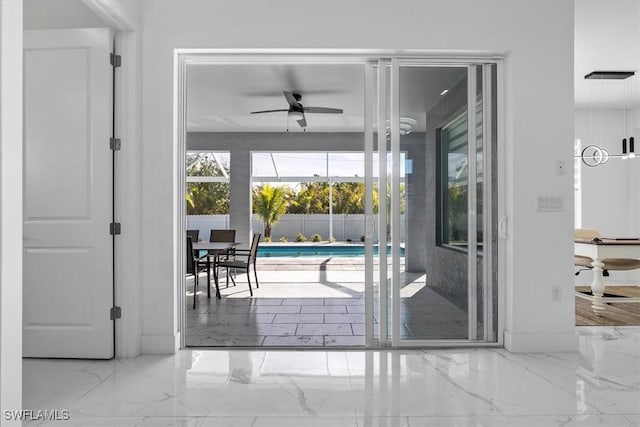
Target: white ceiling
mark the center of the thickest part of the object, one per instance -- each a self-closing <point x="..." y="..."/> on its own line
<point x="221" y="97"/>
<point x="607" y="38"/>
<point x="53" y="14"/>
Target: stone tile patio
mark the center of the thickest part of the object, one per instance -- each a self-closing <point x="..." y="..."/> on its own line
<point x="310" y="303"/>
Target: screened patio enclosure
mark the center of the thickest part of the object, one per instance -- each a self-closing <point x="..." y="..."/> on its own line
<point x="325" y="190"/>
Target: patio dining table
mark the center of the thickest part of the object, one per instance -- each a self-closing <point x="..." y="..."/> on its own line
<point x="214" y="249"/>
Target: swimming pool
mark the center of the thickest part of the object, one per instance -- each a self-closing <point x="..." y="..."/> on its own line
<point x="265" y="251"/>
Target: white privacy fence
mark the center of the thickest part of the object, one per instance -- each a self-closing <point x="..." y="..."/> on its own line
<point x="345" y="227"/>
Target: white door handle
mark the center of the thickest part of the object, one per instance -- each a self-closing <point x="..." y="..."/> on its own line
<point x="503" y="227"/>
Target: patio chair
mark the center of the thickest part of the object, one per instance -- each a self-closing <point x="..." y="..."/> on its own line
<point x="223" y="235"/>
<point x="194" y="234"/>
<point x="195" y="265"/>
<point x="243" y="259"/>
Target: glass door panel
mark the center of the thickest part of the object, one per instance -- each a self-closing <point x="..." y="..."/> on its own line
<point x="433" y="187"/>
<point x="434" y="295"/>
<point x="382" y="204"/>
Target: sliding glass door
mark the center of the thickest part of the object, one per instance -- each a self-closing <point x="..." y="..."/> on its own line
<point x="432" y="154"/>
<point x="430" y="202"/>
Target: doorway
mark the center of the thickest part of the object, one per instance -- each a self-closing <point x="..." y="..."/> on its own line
<point x="428" y="136"/>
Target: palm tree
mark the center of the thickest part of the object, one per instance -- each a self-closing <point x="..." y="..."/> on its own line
<point x="270" y="203"/>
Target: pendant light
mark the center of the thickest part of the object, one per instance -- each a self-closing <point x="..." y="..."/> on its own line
<point x="593" y="155"/>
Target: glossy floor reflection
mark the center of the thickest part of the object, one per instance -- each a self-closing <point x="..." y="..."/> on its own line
<point x="600" y="386"/>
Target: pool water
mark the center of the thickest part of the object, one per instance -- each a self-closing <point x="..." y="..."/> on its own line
<point x="315" y="251"/>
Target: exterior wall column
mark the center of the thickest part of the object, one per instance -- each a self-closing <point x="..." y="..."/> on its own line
<point x="240" y="194"/>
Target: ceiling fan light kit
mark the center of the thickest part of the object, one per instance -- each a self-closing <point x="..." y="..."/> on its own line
<point x="297" y="111"/>
<point x="296" y="115"/>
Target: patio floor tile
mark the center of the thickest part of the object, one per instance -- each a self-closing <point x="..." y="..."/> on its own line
<point x="324" y="329"/>
<point x="299" y="318"/>
<point x="324" y="309"/>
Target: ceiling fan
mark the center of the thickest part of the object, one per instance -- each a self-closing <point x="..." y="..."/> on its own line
<point x="296" y="110"/>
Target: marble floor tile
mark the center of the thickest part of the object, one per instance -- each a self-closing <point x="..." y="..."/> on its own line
<point x="599" y="386"/>
<point x="498" y="421"/>
<point x="64" y="380"/>
<point x="305" y="421"/>
<point x="634" y="420"/>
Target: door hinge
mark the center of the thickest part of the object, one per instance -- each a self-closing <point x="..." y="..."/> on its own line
<point x="115" y="144"/>
<point x="115" y="60"/>
<point x="114" y="228"/>
<point x="115" y="313"/>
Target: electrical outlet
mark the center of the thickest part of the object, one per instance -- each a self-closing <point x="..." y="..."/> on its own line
<point x="556" y="294"/>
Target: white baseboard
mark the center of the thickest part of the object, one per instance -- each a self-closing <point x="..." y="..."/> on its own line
<point x="541" y="343"/>
<point x="160" y="344"/>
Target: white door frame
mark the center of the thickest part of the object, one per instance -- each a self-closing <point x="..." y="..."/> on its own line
<point x="185" y="57"/>
<point x="128" y="119"/>
<point x="11" y="146"/>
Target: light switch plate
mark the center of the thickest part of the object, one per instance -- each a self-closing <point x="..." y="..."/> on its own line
<point x="550" y="204"/>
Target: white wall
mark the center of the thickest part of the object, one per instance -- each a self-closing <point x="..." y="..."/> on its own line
<point x="634" y="177"/>
<point x="538" y="69"/>
<point x="605" y="188"/>
<point x="11" y="213"/>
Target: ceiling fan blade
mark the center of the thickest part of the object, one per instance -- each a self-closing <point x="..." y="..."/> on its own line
<point x="326" y="110"/>
<point x="302" y="122"/>
<point x="268" y="111"/>
<point x="295" y="105"/>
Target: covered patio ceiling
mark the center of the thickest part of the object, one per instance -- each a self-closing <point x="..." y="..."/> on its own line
<point x="220" y="98"/>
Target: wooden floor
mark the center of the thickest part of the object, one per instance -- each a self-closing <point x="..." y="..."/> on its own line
<point x="625" y="314"/>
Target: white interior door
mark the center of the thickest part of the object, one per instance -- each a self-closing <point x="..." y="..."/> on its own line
<point x="68" y="287"/>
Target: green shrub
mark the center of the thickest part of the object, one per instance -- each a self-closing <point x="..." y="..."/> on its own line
<point x="283" y="239"/>
<point x="362" y="238"/>
<point x="316" y="238"/>
<point x="267" y="239"/>
<point x="300" y="238"/>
